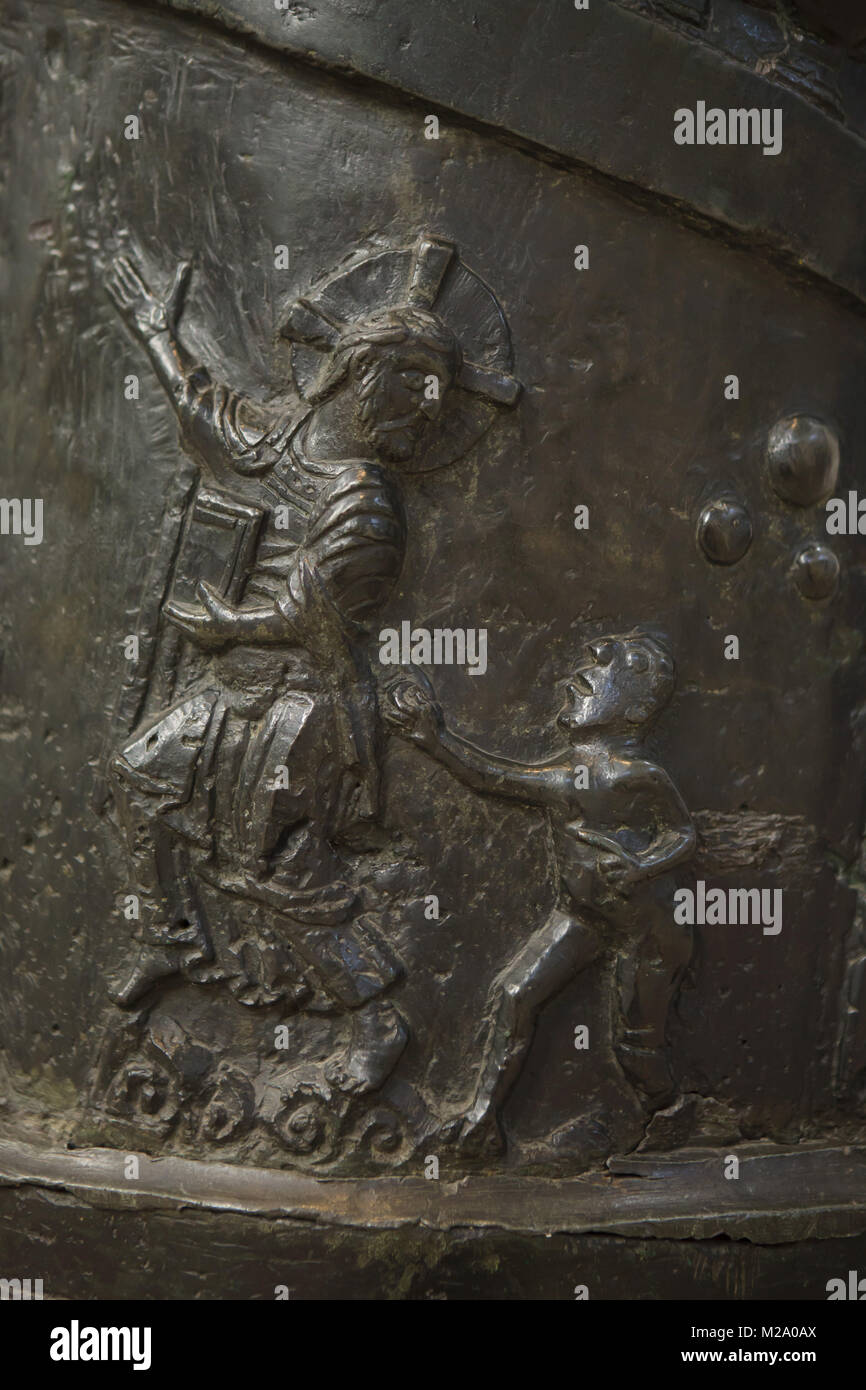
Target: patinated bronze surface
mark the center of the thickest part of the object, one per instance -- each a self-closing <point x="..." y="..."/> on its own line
<point x="433" y="660"/>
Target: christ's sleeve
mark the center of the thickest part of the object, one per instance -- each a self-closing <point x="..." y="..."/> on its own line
<point x="229" y="430"/>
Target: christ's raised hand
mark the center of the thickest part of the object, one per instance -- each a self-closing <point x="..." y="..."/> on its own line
<point x="143" y="310"/>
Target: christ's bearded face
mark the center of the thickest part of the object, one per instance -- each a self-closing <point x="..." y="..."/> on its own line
<point x="401" y="394"/>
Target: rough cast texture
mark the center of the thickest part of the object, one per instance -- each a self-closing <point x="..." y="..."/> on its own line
<point x="389" y="411"/>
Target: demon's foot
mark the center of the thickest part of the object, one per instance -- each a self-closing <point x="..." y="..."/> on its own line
<point x="379" y="1036"/>
<point x="649" y="1072"/>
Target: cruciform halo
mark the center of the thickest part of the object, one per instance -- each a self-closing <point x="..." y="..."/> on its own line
<point x="427" y="275"/>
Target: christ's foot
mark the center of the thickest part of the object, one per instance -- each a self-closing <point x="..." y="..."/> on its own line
<point x="379" y="1036"/>
<point x="152" y="966"/>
